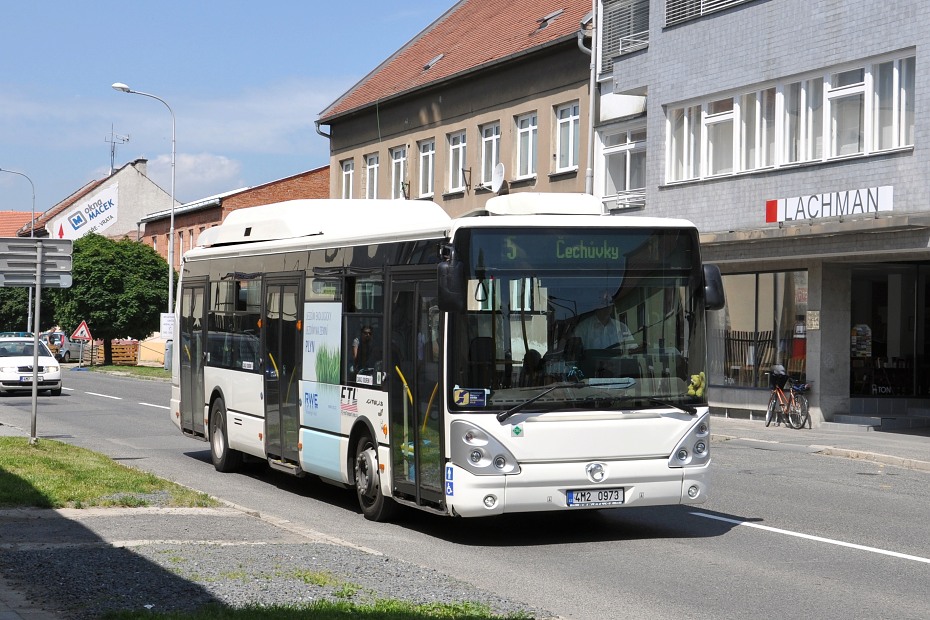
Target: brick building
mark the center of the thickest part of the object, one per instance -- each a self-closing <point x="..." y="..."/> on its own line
<point x="193" y="218"/>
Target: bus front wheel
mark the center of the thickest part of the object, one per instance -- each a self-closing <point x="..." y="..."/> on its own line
<point x="375" y="506"/>
<point x="224" y="459"/>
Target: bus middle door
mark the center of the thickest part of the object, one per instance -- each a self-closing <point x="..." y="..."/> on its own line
<point x="415" y="395"/>
<point x="281" y="344"/>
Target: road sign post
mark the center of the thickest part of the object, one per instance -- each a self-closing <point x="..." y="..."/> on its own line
<point x="31" y="262"/>
<point x="82" y="333"/>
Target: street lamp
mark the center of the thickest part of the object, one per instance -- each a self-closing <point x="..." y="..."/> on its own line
<point x="125" y="89"/>
<point x="32" y="233"/>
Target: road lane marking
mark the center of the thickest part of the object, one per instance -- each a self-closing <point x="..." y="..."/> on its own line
<point x="839" y="543"/>
<point x="103" y="395"/>
<point x="156" y="406"/>
<point x="67" y="389"/>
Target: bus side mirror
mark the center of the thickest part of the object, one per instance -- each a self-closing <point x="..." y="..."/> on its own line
<point x="714" y="298"/>
<point x="451" y="278"/>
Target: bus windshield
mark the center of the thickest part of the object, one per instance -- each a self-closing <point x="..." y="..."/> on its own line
<point x="593" y="318"/>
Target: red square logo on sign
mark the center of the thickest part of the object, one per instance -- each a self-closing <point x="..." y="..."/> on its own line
<point x="771" y="211"/>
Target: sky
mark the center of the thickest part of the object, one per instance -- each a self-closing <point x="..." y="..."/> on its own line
<point x="245" y="80"/>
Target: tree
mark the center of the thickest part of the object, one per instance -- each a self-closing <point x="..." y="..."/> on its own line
<point x="120" y="288"/>
<point x="14" y="310"/>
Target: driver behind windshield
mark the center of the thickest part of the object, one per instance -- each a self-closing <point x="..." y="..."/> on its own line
<point x="601" y="330"/>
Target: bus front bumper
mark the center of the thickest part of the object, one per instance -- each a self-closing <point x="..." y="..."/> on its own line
<point x="550" y="486"/>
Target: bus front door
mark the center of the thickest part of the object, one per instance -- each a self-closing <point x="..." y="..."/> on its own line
<point x="415" y="395"/>
<point x="281" y="344"/>
<point x="190" y="337"/>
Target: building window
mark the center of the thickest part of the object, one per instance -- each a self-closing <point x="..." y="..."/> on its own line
<point x="348" y="174"/>
<point x="568" y="120"/>
<point x="180" y="241"/>
<point x="677" y="11"/>
<point x="757" y="129"/>
<point x="155" y="243"/>
<point x="837" y="113"/>
<point x="399" y="172"/>
<point x="427" y="162"/>
<point x="759" y="328"/>
<point x="625" y="25"/>
<point x="719" y="120"/>
<point x="490" y="151"/>
<point x="845" y="97"/>
<point x="625" y="166"/>
<point x="803" y="120"/>
<point x="371" y="176"/>
<point x="527" y="136"/>
<point x="457" y="162"/>
<point x="684" y="150"/>
<point x="894" y="103"/>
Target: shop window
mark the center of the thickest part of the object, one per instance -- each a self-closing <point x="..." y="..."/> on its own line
<point x="763" y="325"/>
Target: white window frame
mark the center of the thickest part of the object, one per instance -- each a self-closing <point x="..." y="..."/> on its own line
<point x="490" y="150"/>
<point x="457" y="153"/>
<point x="626" y="142"/>
<point x="398" y="171"/>
<point x="802" y="124"/>
<point x="348" y="178"/>
<point x="427" y="150"/>
<point x="567" y="138"/>
<point x="527" y="145"/>
<point x="372" y="163"/>
<point x="719" y="155"/>
<point x="684" y="148"/>
<point x="757" y="113"/>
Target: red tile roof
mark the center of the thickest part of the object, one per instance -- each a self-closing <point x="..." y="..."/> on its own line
<point x="12" y="221"/>
<point x="471" y="35"/>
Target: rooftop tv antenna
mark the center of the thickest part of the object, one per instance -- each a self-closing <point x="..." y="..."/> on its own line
<point x="114" y="139"/>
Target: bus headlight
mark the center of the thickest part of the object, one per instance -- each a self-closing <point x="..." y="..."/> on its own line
<point x="694" y="448"/>
<point x="477" y="451"/>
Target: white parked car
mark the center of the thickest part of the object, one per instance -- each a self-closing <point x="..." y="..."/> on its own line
<point x="16" y="356"/>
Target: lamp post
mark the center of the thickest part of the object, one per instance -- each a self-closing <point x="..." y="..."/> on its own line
<point x="125" y="89"/>
<point x="32" y="233"/>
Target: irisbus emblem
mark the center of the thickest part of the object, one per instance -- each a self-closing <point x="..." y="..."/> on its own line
<point x="596" y="472"/>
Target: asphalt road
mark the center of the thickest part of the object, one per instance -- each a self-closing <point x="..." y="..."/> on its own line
<point x="786" y="533"/>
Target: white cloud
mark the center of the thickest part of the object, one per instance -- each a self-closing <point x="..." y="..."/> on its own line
<point x="198" y="175"/>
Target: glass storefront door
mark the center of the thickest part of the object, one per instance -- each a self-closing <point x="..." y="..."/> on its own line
<point x="888" y="347"/>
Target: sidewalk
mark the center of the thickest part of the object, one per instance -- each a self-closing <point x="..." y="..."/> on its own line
<point x="113" y="531"/>
<point x="903" y="449"/>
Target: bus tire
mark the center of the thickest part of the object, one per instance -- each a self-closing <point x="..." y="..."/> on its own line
<point x="224" y="459"/>
<point x="375" y="506"/>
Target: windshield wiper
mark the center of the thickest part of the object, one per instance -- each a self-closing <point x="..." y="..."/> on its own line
<point x="504" y="415"/>
<point x="682" y="408"/>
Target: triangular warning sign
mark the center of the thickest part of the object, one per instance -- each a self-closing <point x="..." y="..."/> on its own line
<point x="82" y="332"/>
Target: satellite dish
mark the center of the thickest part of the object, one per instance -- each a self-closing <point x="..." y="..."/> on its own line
<point x="497" y="177"/>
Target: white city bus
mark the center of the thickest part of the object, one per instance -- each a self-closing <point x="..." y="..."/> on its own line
<point x="451" y="364"/>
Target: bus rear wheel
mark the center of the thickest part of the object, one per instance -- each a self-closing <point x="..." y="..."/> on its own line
<point x="224" y="459"/>
<point x="375" y="506"/>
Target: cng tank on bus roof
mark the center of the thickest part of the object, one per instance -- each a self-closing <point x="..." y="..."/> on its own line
<point x="538" y="203"/>
<point x="329" y="219"/>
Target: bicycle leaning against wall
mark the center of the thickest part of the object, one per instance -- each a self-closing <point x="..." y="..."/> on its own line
<point x="787" y="403"/>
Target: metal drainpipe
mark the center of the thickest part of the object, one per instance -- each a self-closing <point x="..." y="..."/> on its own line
<point x="592" y="93"/>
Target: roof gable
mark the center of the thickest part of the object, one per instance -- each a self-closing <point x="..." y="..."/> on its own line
<point x="471" y="35"/>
